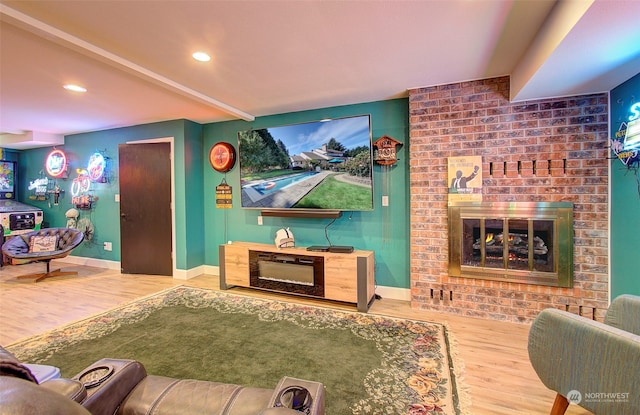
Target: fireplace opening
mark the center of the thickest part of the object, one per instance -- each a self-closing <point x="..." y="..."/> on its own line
<point x="497" y="247"/>
<point x="528" y="242"/>
<point x="298" y="274"/>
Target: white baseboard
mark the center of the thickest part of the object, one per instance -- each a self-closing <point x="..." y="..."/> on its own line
<point x="394" y="293"/>
<point x="91" y="262"/>
<point x="179" y="274"/>
<point x="211" y="270"/>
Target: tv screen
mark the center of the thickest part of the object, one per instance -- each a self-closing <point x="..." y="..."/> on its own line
<point x="317" y="165"/>
<point x="7" y="179"/>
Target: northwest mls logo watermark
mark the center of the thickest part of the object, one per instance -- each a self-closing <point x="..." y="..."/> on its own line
<point x="575" y="397"/>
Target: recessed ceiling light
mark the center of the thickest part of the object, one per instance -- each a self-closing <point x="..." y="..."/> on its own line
<point x="75" y="88"/>
<point x="201" y="56"/>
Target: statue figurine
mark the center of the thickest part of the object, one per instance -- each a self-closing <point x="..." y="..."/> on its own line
<point x="72" y="216"/>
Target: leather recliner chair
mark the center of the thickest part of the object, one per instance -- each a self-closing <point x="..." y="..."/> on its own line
<point x="123" y="387"/>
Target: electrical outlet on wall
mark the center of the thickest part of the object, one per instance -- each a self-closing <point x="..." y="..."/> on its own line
<point x="385" y="200"/>
<point x="259" y="220"/>
<point x="108" y="246"/>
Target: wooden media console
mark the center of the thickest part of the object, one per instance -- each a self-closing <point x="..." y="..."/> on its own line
<point x="346" y="277"/>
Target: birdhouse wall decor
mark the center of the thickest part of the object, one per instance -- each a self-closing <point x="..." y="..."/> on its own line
<point x="384" y="151"/>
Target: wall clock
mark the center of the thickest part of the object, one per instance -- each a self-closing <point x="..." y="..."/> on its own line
<point x="384" y="152"/>
<point x="222" y="157"/>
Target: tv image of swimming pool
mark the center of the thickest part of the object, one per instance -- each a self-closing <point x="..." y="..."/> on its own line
<point x="270" y="186"/>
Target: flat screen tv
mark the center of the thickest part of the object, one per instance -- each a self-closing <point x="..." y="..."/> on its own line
<point x="7" y="179"/>
<point x="316" y="166"/>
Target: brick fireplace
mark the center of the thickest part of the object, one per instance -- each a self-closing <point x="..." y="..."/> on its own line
<point x="535" y="151"/>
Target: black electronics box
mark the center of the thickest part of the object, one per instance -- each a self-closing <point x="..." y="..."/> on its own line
<point x="341" y="249"/>
<point x="318" y="248"/>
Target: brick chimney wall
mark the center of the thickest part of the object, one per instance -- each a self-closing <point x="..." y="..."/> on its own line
<point x="552" y="150"/>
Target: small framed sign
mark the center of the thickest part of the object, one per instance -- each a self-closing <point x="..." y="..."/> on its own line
<point x="223" y="196"/>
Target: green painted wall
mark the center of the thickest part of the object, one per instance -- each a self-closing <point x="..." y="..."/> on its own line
<point x="625" y="201"/>
<point x="201" y="228"/>
<point x="383" y="230"/>
<point x="191" y="228"/>
<point x="106" y="214"/>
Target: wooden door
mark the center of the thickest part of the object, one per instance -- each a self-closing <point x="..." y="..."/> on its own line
<point x="145" y="208"/>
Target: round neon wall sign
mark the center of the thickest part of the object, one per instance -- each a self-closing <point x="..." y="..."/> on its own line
<point x="96" y="167"/>
<point x="56" y="163"/>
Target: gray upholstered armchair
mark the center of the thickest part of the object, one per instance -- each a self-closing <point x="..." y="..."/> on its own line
<point x="588" y="363"/>
<point x="21" y="249"/>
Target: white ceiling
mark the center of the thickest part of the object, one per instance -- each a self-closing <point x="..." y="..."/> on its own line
<point x="278" y="56"/>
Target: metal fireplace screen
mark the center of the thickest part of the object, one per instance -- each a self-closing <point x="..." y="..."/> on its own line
<point x="521" y="242"/>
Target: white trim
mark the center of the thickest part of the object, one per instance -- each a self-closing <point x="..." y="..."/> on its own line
<point x="211" y="270"/>
<point x="181" y="274"/>
<point x="394" y="293"/>
<point x="172" y="205"/>
<point x="390" y="293"/>
<point x="91" y="262"/>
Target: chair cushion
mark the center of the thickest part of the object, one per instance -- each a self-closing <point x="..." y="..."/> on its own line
<point x="43" y="243"/>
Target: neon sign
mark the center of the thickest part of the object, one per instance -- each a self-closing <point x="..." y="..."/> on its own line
<point x="635" y="111"/>
<point x="96" y="167"/>
<point x="626" y="144"/>
<point x="632" y="135"/>
<point x="39" y="186"/>
<point x="56" y="163"/>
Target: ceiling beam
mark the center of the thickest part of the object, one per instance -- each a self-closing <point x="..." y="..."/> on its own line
<point x="30" y="139"/>
<point x="562" y="18"/>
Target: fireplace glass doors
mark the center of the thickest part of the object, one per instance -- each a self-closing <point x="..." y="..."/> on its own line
<point x="520" y="242"/>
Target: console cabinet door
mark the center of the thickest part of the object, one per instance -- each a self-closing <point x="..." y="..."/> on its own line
<point x="340" y="281"/>
<point x="236" y="258"/>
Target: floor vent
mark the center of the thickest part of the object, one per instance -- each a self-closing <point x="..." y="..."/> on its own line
<point x="441" y="295"/>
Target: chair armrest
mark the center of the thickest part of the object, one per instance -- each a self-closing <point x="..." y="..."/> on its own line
<point x="624" y="313"/>
<point x="106" y="397"/>
<point x="315" y="388"/>
<point x="19" y="396"/>
<point x="72" y="389"/>
<point x="279" y="411"/>
<point x="11" y="366"/>
<point x="572" y="353"/>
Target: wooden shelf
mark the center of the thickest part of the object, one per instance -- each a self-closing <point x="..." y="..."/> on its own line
<point x="302" y="213"/>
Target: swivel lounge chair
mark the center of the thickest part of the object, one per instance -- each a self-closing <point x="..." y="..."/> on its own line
<point x="42" y="246"/>
<point x="589" y="363"/>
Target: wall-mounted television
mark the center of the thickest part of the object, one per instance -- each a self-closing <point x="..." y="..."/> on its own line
<point x="316" y="166"/>
<point x="7" y="179"/>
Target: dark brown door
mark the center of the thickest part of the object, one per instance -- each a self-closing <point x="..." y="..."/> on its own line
<point x="145" y="208"/>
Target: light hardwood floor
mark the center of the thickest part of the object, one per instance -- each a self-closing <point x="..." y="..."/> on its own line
<point x="497" y="371"/>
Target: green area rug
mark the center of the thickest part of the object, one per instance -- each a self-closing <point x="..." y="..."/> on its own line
<point x="369" y="364"/>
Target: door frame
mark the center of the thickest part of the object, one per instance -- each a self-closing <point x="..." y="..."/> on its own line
<point x="172" y="205"/>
